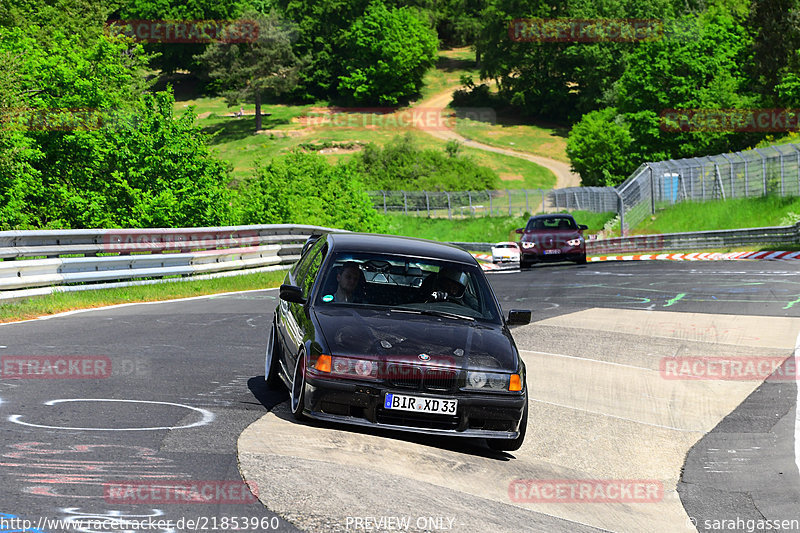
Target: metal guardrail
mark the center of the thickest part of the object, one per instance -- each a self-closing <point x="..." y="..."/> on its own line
<point x="777" y="235"/>
<point x="698" y="240"/>
<point x="40" y="262"/>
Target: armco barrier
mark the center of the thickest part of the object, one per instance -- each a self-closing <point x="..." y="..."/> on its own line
<point x="40" y="262"/>
<point x="698" y="240"/>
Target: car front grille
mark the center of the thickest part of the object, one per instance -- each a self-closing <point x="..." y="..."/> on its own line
<point x="416" y="378"/>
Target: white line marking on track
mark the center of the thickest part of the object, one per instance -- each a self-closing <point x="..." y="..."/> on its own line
<point x="684" y="430"/>
<point x="591" y="360"/>
<point x="208" y="416"/>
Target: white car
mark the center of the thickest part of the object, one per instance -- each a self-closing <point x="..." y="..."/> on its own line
<point x="505" y="251"/>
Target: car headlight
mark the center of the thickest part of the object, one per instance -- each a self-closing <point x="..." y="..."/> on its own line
<point x="488" y="381"/>
<point x="528" y="244"/>
<point x="354" y="368"/>
<point x="575" y="242"/>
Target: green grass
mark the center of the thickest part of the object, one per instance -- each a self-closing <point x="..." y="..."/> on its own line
<point x="67" y="301"/>
<point x="729" y="214"/>
<point x="546" y="140"/>
<point x="236" y="141"/>
<point x="477" y="229"/>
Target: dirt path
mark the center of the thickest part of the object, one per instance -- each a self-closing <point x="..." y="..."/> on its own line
<point x="564" y="175"/>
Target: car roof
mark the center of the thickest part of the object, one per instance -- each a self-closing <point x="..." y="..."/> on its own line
<point x="410" y="246"/>
<point x="554" y="215"/>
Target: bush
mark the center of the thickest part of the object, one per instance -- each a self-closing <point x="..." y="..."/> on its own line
<point x="304" y="188"/>
<point x="599" y="148"/>
<point x="401" y="165"/>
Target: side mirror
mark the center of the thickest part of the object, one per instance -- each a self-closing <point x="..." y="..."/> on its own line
<point x="519" y="317"/>
<point x="582" y="227"/>
<point x="519" y="230"/>
<point x="293" y="294"/>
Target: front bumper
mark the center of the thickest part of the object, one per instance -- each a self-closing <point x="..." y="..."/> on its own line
<point x="569" y="253"/>
<point x="487" y="415"/>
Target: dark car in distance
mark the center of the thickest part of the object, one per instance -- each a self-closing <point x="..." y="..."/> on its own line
<point x="398" y="333"/>
<point x="554" y="237"/>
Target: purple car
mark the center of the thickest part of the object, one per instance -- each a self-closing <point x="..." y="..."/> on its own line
<point x="551" y="238"/>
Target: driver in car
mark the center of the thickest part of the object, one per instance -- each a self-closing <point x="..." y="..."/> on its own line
<point x="446" y="285"/>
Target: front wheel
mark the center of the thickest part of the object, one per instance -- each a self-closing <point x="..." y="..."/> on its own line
<point x="581" y="260"/>
<point x="272" y="360"/>
<point x="298" y="396"/>
<point x="510" y="445"/>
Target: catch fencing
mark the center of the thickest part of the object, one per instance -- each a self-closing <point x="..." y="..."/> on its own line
<point x="774" y="170"/>
<point x="461" y="204"/>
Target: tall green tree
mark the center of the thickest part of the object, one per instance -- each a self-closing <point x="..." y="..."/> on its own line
<point x="386" y="53"/>
<point x="263" y="68"/>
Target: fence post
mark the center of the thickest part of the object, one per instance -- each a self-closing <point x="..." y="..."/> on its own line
<point x="544" y="196"/>
<point x="469" y="195"/>
<point x="763" y="170"/>
<point x="620" y="211"/>
<point x="730" y="176"/>
<point x="490" y="202"/>
<point x="405" y="203"/>
<point x="384" y="202"/>
<point x="427" y="204"/>
<point x="652" y="191"/>
<point x="449" y="212"/>
<point x="781" y="160"/>
<point x="509" y="201"/>
<point x="527" y="206"/>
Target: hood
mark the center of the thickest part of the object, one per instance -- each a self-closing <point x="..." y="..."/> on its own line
<point x="402" y="337"/>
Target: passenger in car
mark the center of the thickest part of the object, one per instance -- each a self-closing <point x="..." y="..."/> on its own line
<point x="350" y="281"/>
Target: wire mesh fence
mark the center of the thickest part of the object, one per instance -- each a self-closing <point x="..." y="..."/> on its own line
<point x="494" y="202"/>
<point x="774" y="170"/>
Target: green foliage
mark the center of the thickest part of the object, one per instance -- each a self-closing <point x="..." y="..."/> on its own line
<point x="170" y="57"/>
<point x="401" y="165"/>
<point x="144" y="169"/>
<point x="304" y="189"/>
<point x="386" y="53"/>
<point x="135" y="166"/>
<point x="265" y="67"/>
<point x="599" y="148"/>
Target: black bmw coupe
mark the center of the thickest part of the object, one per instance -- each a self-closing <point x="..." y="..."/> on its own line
<point x="398" y="333"/>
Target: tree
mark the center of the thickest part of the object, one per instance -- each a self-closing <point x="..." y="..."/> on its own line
<point x="599" y="148"/>
<point x="386" y="53"/>
<point x="170" y="57"/>
<point x="265" y="67"/>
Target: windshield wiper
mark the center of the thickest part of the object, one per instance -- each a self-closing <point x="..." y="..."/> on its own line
<point x="432" y="312"/>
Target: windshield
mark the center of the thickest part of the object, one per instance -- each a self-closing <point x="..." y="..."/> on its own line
<point x="551" y="223"/>
<point x="408" y="285"/>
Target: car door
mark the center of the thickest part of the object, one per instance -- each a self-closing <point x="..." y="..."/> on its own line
<point x="295" y="324"/>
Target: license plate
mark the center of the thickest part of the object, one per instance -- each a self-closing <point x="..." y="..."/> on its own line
<point x="552" y="251"/>
<point x="417" y="404"/>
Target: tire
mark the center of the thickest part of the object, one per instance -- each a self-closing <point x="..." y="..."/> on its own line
<point x="272" y="359"/>
<point x="297" y="396"/>
<point x="581" y="260"/>
<point x="510" y="445"/>
<point x="524" y="265"/>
